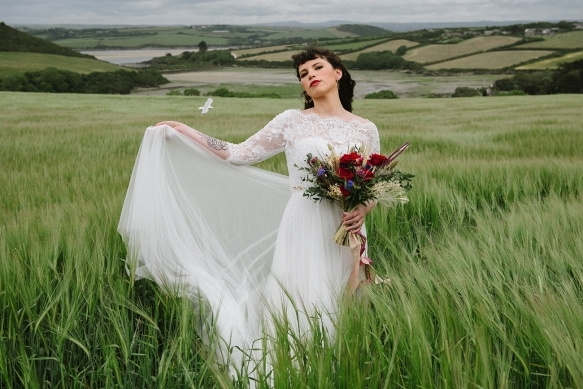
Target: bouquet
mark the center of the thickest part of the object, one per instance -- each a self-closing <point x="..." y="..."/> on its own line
<point x="355" y="178"/>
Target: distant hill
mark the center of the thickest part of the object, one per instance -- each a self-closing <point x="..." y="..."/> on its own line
<point x="362" y="29"/>
<point x="17" y="41"/>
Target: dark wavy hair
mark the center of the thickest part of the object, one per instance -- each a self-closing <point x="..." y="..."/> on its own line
<point x="345" y="84"/>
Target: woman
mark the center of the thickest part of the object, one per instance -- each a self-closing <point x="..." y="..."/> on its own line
<point x="246" y="239"/>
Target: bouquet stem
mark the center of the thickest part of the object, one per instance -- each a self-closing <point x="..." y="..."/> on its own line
<point x="341" y="236"/>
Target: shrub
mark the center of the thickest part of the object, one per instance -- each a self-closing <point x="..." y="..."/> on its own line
<point x="174" y="92"/>
<point x="191" y="92"/>
<point x="401" y="51"/>
<point x="514" y="92"/>
<point x="224" y="92"/>
<point x="464" y="91"/>
<point x="382" y="94"/>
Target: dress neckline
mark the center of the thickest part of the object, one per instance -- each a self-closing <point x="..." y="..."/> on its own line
<point x="336" y="118"/>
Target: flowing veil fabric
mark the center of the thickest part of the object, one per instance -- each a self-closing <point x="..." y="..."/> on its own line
<point x="200" y="225"/>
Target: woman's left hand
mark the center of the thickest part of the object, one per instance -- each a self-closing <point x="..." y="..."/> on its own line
<point x="354" y="220"/>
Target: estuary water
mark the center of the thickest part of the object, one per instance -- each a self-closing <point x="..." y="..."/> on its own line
<point x="123" y="57"/>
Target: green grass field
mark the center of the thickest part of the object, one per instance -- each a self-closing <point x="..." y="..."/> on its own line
<point x="491" y="60"/>
<point x="485" y="259"/>
<point x="351" y="45"/>
<point x="391" y="45"/>
<point x="553" y="63"/>
<point x="437" y="53"/>
<point x="19" y="63"/>
<point x="569" y="40"/>
<point x="256" y="50"/>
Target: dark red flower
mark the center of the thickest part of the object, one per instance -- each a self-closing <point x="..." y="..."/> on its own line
<point x="345" y="192"/>
<point x="365" y="174"/>
<point x="351" y="158"/>
<point x="377" y="160"/>
<point x="345" y="174"/>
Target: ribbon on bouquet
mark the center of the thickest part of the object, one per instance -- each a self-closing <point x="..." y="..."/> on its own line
<point x="357" y="243"/>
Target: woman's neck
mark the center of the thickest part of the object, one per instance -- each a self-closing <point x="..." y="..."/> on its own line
<point x="328" y="107"/>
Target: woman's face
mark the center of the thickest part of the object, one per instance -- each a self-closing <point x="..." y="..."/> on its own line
<point x="319" y="78"/>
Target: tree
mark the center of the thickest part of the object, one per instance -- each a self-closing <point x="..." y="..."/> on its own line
<point x="202" y="47"/>
<point x="401" y="50"/>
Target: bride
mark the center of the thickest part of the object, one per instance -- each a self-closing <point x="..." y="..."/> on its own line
<point x="245" y="239"/>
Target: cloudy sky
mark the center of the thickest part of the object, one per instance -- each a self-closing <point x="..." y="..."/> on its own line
<point x="169" y="12"/>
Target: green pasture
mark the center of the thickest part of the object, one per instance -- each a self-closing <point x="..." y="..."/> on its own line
<point x="256" y="50"/>
<point x="391" y="45"/>
<point x="491" y="60"/>
<point x="351" y="45"/>
<point x="442" y="52"/>
<point x="568" y="40"/>
<point x="485" y="260"/>
<point x="19" y="63"/>
<point x="341" y="34"/>
<point x="553" y="63"/>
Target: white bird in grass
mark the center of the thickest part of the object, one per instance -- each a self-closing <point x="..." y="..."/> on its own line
<point x="205" y="108"/>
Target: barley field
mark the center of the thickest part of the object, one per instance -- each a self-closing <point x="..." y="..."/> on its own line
<point x="436" y="53"/>
<point x="491" y="60"/>
<point x="485" y="260"/>
<point x="553" y="63"/>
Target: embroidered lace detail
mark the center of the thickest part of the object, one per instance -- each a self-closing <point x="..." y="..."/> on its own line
<point x="298" y="134"/>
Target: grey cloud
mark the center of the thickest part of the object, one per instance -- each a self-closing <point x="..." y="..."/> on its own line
<point x="257" y="11"/>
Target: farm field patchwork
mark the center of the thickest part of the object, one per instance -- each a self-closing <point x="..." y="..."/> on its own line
<point x="553" y="63"/>
<point x="484" y="260"/>
<point x="437" y="53"/>
<point x="169" y="40"/>
<point x="19" y="63"/>
<point x="391" y="45"/>
<point x="491" y="60"/>
<point x="568" y="40"/>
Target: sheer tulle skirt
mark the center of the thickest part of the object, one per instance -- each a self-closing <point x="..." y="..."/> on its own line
<point x="236" y="236"/>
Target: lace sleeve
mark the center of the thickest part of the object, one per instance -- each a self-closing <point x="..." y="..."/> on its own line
<point x="374" y="141"/>
<point x="262" y="145"/>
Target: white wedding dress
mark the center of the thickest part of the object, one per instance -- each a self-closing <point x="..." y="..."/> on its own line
<point x="243" y="238"/>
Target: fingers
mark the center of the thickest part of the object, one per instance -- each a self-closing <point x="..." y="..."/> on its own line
<point x="353" y="221"/>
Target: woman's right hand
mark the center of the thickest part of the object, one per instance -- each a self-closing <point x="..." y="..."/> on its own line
<point x="180" y="127"/>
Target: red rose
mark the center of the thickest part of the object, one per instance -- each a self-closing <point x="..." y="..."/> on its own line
<point x="345" y="174"/>
<point x="377" y="160"/>
<point x="351" y="158"/>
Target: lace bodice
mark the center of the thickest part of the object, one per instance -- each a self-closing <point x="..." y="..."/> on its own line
<point x="298" y="133"/>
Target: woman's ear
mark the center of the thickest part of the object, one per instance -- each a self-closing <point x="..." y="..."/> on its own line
<point x="338" y="74"/>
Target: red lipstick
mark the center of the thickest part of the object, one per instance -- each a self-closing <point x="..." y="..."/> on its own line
<point x="315" y="82"/>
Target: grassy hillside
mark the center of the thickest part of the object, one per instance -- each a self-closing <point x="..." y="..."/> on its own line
<point x="485" y="259"/>
<point x="569" y="40"/>
<point x="18" y="63"/>
<point x="17" y="41"/>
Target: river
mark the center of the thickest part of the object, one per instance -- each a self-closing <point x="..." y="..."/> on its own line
<point x="122" y="57"/>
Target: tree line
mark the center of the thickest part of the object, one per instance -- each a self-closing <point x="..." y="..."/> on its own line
<point x="54" y="80"/>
